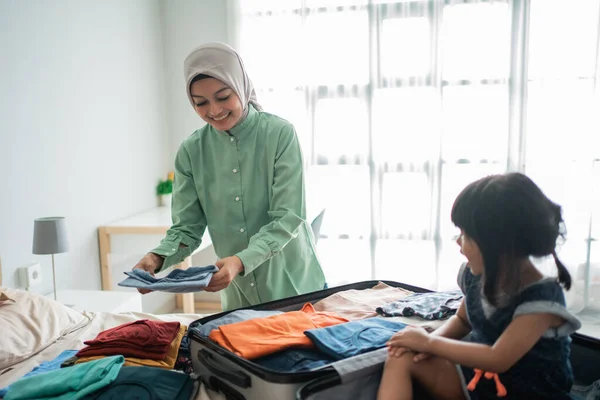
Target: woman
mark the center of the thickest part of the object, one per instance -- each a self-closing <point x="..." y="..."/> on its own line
<point x="241" y="176"/>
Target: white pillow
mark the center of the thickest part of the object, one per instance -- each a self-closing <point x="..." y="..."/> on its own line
<point x="31" y="324"/>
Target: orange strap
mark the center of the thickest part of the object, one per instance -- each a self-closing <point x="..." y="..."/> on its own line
<point x="500" y="389"/>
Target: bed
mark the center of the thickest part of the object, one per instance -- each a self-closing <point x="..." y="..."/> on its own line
<point x="35" y="328"/>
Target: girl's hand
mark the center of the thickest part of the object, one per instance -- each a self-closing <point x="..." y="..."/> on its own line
<point x="229" y="268"/>
<point x="421" y="356"/>
<point x="397" y="351"/>
<point x="410" y="338"/>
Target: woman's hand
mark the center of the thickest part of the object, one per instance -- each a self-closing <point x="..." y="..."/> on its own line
<point x="149" y="263"/>
<point x="410" y="339"/>
<point x="229" y="268"/>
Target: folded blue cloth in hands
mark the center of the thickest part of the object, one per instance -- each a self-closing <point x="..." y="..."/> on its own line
<point x="189" y="280"/>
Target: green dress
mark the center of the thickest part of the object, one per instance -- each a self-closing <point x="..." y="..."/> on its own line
<point x="247" y="187"/>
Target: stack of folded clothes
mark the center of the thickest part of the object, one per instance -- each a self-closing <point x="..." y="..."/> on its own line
<point x="101" y="379"/>
<point x="142" y="343"/>
<point x="75" y="382"/>
<point x="95" y="373"/>
<point x="45" y="366"/>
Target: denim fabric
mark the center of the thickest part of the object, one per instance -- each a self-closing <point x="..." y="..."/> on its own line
<point x="184" y="346"/>
<point x="295" y="360"/>
<point x="232" y="317"/>
<point x="545" y="371"/>
<point x="45" y="366"/>
<point x="352" y="338"/>
<point x="146" y="383"/>
<point x="591" y="392"/>
<point x="429" y="306"/>
<point x="188" y="280"/>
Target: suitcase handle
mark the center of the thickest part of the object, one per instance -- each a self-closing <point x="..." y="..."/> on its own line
<point x="218" y="385"/>
<point x="236" y="377"/>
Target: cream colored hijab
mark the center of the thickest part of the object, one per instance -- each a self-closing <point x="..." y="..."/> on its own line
<point x="220" y="61"/>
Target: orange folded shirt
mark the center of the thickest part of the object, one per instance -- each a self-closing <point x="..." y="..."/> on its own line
<point x="262" y="336"/>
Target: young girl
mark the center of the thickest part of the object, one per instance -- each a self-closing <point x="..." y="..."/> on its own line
<point x="512" y="321"/>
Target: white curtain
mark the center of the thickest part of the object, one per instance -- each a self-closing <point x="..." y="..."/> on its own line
<point x="562" y="128"/>
<point x="400" y="104"/>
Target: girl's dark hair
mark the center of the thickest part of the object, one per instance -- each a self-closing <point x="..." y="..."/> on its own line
<point x="509" y="218"/>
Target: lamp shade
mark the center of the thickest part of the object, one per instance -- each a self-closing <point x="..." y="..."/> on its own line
<point x="50" y="235"/>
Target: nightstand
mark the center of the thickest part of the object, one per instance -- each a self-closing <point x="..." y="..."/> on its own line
<point x="100" y="300"/>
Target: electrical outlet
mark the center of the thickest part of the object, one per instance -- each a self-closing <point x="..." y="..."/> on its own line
<point x="30" y="275"/>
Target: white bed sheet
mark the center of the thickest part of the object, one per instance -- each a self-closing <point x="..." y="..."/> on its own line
<point x="98" y="322"/>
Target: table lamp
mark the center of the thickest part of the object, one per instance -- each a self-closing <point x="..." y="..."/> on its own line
<point x="50" y="237"/>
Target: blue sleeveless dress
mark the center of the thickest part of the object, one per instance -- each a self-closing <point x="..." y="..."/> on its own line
<point x="545" y="371"/>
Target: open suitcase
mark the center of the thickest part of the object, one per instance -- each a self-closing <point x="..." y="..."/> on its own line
<point x="355" y="377"/>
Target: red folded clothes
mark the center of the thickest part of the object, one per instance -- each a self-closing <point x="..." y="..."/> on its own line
<point x="142" y="339"/>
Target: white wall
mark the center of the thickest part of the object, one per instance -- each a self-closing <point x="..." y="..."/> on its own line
<point x="82" y="125"/>
<point x="187" y="24"/>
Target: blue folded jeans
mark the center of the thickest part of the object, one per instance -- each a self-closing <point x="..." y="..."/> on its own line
<point x="189" y="280"/>
<point x="591" y="392"/>
<point x="352" y="338"/>
<point x="294" y="360"/>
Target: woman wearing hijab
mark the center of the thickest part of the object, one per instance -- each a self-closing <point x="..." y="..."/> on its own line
<point x="240" y="176"/>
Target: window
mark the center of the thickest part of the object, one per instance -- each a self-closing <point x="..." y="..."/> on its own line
<point x="405" y="47"/>
<point x="562" y="146"/>
<point x="400" y="104"/>
<point x="346" y="52"/>
<point x="339" y="139"/>
<point x="475" y="40"/>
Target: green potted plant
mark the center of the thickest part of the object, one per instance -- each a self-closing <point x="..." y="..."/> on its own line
<point x="164" y="191"/>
